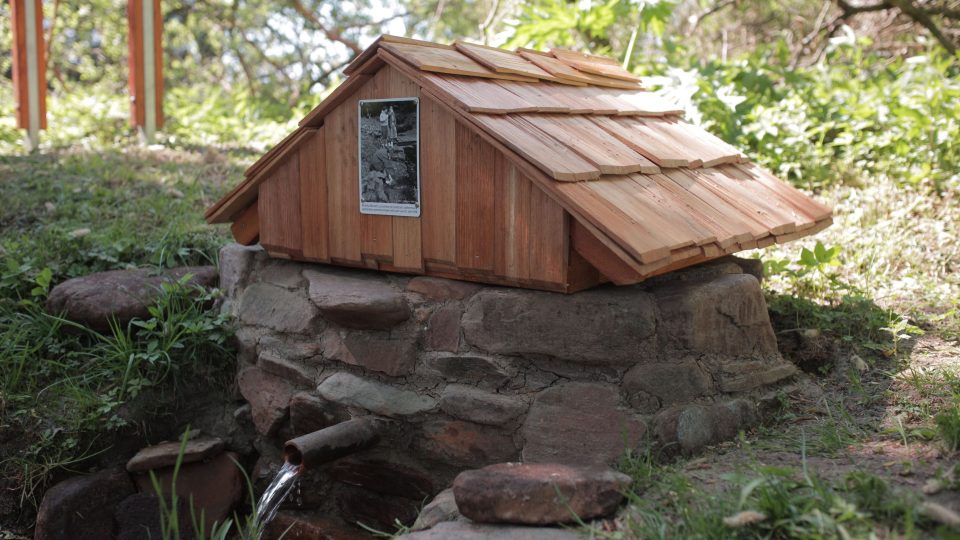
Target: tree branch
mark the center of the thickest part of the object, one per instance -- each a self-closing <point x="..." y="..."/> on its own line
<point x="331" y="33"/>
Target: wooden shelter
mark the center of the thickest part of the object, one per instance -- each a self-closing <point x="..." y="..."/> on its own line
<point x="554" y="171"/>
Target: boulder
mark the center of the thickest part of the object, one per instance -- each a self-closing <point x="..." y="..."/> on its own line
<point x="441" y="289"/>
<point x="277" y="308"/>
<point x="138" y="518"/>
<point x="93" y="300"/>
<point x="606" y="326"/>
<point x="362" y="301"/>
<point x="693" y="427"/>
<point x="538" y="493"/>
<point x="723" y="316"/>
<point x="464" y="530"/>
<point x="236" y="264"/>
<point x="288" y="369"/>
<point x="269" y="397"/>
<point x="474" y="405"/>
<point x="82" y="507"/>
<point x="165" y="454"/>
<point x="579" y="423"/>
<point x="352" y="391"/>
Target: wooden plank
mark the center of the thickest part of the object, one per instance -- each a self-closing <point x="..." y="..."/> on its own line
<point x="438" y="181"/>
<point x="279" y="209"/>
<point x="581" y="274"/>
<point x="733" y="213"/>
<point x="246" y="228"/>
<point x="553" y="66"/>
<point x="771" y="198"/>
<point x="475" y="201"/>
<point x="511" y="221"/>
<point x="548" y="235"/>
<point x="644" y="103"/>
<point x="666" y="205"/>
<point x="726" y="227"/>
<point x="19" y="64"/>
<point x="797" y="198"/>
<point x="343" y="188"/>
<point x="597" y="65"/>
<point x="502" y="61"/>
<point x="553" y="158"/>
<point x="540" y="95"/>
<point x="727" y="188"/>
<point x="592" y="143"/>
<point x="313" y="198"/>
<point x="817" y="227"/>
<point x="376" y="231"/>
<point x="407" y="252"/>
<point x="481" y="95"/>
<point x="242" y="195"/>
<point x="645" y="142"/>
<point x="618" y="191"/>
<point x="446" y="61"/>
<point x="696" y="143"/>
<point x="357" y="64"/>
<point x="600" y="257"/>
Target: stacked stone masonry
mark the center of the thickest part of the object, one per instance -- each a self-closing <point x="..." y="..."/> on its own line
<point x="470" y="375"/>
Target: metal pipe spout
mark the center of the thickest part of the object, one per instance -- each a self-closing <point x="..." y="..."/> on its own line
<point x="334" y="442"/>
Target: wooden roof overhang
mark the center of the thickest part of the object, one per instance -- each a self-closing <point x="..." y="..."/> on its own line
<point x="649" y="192"/>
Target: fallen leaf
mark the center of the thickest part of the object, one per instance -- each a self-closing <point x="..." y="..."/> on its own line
<point x="742" y="519"/>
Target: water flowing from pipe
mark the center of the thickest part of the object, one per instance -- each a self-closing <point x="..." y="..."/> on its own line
<point x="276" y="493"/>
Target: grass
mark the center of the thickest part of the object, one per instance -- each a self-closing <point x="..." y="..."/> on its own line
<point x="65" y="389"/>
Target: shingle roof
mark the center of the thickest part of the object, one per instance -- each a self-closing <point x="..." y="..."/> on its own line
<point x="653" y="188"/>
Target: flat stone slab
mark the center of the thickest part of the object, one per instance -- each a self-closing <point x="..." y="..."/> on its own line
<point x="352" y="391"/>
<point x="165" y="454"/>
<point x="93" y="300"/>
<point x="357" y="302"/>
<point x="538" y="493"/>
<point x="463" y="530"/>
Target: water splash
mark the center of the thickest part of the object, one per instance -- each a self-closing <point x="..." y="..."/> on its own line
<point x="276" y="493"/>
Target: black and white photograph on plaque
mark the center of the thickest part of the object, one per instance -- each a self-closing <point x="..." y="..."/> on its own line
<point x="390" y="156"/>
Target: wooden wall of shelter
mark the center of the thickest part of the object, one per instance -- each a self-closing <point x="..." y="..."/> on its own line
<point x="482" y="217"/>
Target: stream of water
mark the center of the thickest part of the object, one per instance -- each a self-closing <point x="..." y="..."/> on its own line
<point x="276" y="493"/>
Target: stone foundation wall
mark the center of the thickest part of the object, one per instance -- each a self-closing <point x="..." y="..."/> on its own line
<point x="468" y="375"/>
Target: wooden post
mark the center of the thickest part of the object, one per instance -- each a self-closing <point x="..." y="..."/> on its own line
<point x="145" y="66"/>
<point x="29" y="68"/>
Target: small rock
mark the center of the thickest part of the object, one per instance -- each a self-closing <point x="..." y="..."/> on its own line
<point x="859" y="363"/>
<point x="352" y="391"/>
<point x="236" y="263"/>
<point x="290" y="370"/>
<point x="78" y="233"/>
<point x="363" y="301"/>
<point x="933" y="486"/>
<point x="564" y="426"/>
<point x="671" y="382"/>
<point x="809" y="349"/>
<point x="268" y="396"/>
<point x="383" y="477"/>
<point x="394" y="355"/>
<point x="476" y="370"/>
<point x="468" y="403"/>
<point x="309" y="413"/>
<point x="464" y="530"/>
<point x="465" y="444"/>
<point x="277" y="308"/>
<point x="442" y="289"/>
<point x="50" y="207"/>
<point x="442" y="508"/>
<point x="82" y="507"/>
<point x="93" y="300"/>
<point x="538" y="493"/>
<point x="165" y="454"/>
<point x="290" y="525"/>
<point x="742" y="376"/>
<point x="443" y="329"/>
<point x="214" y="487"/>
